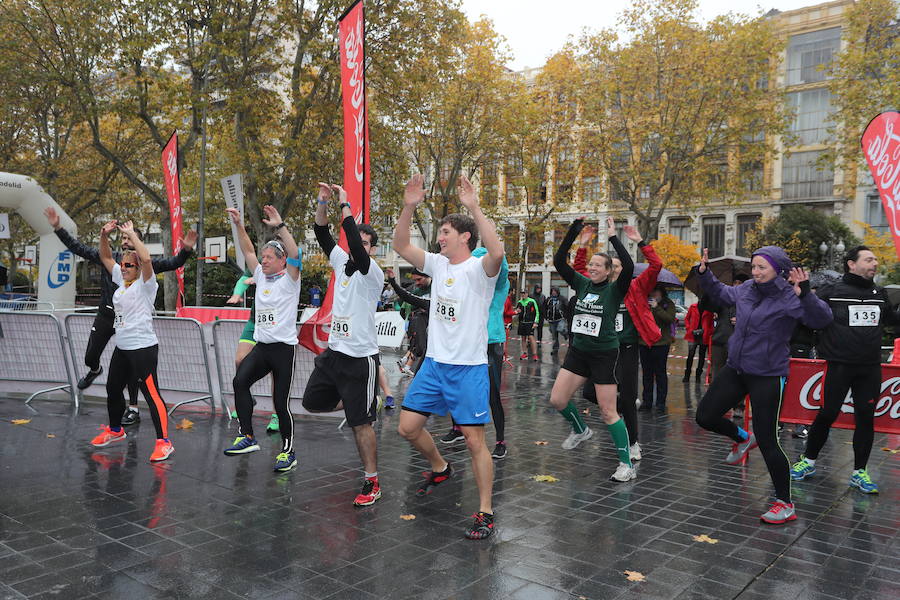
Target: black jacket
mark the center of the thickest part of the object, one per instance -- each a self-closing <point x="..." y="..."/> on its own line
<point x="107" y="287"/>
<point x="554" y="308"/>
<point x="854" y="297"/>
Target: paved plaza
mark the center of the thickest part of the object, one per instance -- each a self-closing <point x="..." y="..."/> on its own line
<point x="80" y="522"/>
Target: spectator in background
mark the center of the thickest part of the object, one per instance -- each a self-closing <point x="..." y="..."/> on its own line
<point x="698" y="328"/>
<point x="655" y="357"/>
<point x="724" y="327"/>
<point x="540" y="298"/>
<point x="315" y="296"/>
<point x="553" y="310"/>
<point x="529" y="314"/>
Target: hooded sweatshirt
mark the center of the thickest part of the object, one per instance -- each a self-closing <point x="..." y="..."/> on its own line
<point x="766" y="315"/>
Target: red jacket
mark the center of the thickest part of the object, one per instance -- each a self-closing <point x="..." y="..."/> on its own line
<point x="509" y="311"/>
<point x="695" y="320"/>
<point x="636" y="298"/>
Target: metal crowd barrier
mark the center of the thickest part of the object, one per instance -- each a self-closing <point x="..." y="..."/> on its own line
<point x="183" y="364"/>
<point x="225" y="341"/>
<point x="26" y="305"/>
<point x="32" y="350"/>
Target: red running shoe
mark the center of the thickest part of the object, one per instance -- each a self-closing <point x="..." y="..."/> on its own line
<point x="107" y="436"/>
<point x="483" y="526"/>
<point x="163" y="450"/>
<point x="371" y="492"/>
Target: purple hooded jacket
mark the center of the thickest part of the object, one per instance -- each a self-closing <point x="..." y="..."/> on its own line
<point x="766" y="314"/>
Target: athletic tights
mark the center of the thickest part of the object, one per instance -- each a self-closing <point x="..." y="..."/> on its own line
<point x="102" y="331"/>
<point x="278" y="359"/>
<point x="766" y="392"/>
<point x="136" y="367"/>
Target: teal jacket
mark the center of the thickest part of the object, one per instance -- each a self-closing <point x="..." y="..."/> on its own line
<point x="496" y="328"/>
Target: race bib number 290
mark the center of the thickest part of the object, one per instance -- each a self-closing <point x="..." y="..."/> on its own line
<point x="586" y="325"/>
<point x="341" y="327"/>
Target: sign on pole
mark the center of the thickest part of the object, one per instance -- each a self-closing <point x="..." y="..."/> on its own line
<point x="173" y="193"/>
<point x="233" y="190"/>
<point x="881" y="147"/>
<point x="214" y="249"/>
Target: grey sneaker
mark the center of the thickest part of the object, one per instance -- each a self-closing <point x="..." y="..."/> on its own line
<point x="634" y="452"/>
<point x="738" y="454"/>
<point x="574" y="439"/>
<point x="624" y="473"/>
<point x="781" y="512"/>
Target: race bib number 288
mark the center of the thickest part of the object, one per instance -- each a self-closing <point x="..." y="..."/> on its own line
<point x="447" y="309"/>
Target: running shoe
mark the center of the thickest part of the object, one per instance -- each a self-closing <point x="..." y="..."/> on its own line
<point x="107" y="436"/>
<point x="242" y="445"/>
<point x="524" y="356"/>
<point x="623" y="473"/>
<point x="574" y="439"/>
<point x="861" y="480"/>
<point x="234" y="414"/>
<point x="634" y="452"/>
<point x="802" y="469"/>
<point x="162" y="451"/>
<point x="483" y="527"/>
<point x="371" y="492"/>
<point x="738" y="454"/>
<point x="131" y="416"/>
<point x="389" y="402"/>
<point x="781" y="512"/>
<point x="89" y="377"/>
<point x="434" y="479"/>
<point x="285" y="461"/>
<point x="272" y="427"/>
<point x="535" y="358"/>
<point x="499" y="450"/>
<point x="800" y="431"/>
<point x="453" y="436"/>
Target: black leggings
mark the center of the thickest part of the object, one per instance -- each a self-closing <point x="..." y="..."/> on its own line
<point x="864" y="381"/>
<point x="766" y="393"/>
<point x="277" y="359"/>
<point x="692" y="349"/>
<point x="101" y="332"/>
<point x="627" y="376"/>
<point x="653" y="369"/>
<point x="138" y="368"/>
<point x="495" y="372"/>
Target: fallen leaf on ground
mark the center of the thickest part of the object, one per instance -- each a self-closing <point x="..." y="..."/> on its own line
<point x="705" y="538"/>
<point x="891" y="450"/>
<point x="184" y="424"/>
<point x="540" y="443"/>
<point x="407" y="517"/>
<point x="50" y="435"/>
<point x="20" y="421"/>
<point x="547" y="478"/>
<point x="635" y="576"/>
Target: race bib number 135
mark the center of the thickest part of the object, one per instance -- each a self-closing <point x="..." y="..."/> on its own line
<point x="864" y="316"/>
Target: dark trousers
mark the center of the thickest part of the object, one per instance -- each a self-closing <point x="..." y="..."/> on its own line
<point x="653" y="369"/>
<point x="692" y="349"/>
<point x="557" y="328"/>
<point x="101" y="332"/>
<point x="766" y="393"/>
<point x="864" y="382"/>
<point x="137" y="368"/>
<point x="277" y="359"/>
<point x="540" y="329"/>
<point x="719" y="356"/>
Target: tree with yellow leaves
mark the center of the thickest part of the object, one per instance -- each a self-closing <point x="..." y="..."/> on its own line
<point x="881" y="245"/>
<point x="676" y="255"/>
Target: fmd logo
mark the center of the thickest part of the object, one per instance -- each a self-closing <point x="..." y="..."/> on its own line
<point x="61" y="270"/>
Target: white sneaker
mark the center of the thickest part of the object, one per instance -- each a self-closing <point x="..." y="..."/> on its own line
<point x="576" y="438"/>
<point x="624" y="473"/>
<point x="634" y="452"/>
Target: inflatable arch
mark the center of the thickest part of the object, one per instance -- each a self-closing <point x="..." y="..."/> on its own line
<point x="56" y="273"/>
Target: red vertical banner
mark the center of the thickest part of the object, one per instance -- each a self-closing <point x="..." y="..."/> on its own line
<point x="173" y="193"/>
<point x="881" y="147"/>
<point x="352" y="46"/>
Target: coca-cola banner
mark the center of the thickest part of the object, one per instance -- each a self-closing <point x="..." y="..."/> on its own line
<point x="173" y="193"/>
<point x="881" y="147"/>
<point x="352" y="35"/>
<point x="803" y="397"/>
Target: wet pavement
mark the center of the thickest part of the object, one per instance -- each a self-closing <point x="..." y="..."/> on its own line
<point x="79" y="522"/>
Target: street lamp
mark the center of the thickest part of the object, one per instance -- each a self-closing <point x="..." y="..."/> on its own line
<point x="827" y="251"/>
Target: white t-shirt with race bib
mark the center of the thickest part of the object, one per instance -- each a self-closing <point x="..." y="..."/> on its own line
<point x="460" y="300"/>
<point x="353" y="309"/>
<point x="134" y="311"/>
<point x="276" y="303"/>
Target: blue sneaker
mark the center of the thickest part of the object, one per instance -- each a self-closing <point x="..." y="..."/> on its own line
<point x="802" y="469"/>
<point x="285" y="462"/>
<point x="389" y="402"/>
<point x="242" y="445"/>
<point x="861" y="480"/>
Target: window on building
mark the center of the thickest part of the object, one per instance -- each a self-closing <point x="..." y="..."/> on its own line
<point x="812" y="109"/>
<point x="489" y="183"/>
<point x="620" y="230"/>
<point x="714" y="235"/>
<point x="564" y="192"/>
<point x="514" y="165"/>
<point x="752" y="176"/>
<point x="511" y="243"/>
<point x="592" y="190"/>
<point x="810" y="54"/>
<point x="513" y="196"/>
<point x="534" y="246"/>
<point x="152" y="237"/>
<point x="875" y="214"/>
<point x="803" y="179"/>
<point x="680" y="227"/>
<point x="744" y="224"/>
<point x="533" y="279"/>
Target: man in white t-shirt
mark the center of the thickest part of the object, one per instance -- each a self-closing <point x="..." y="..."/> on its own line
<point x="348" y="370"/>
<point x="454" y="376"/>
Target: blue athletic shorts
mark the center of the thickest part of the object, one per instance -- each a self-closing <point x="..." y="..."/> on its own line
<point x="462" y="390"/>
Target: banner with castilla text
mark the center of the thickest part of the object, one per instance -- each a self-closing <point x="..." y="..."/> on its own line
<point x="803" y="397"/>
<point x="352" y="34"/>
<point x="173" y="193"/>
<point x="881" y="147"/>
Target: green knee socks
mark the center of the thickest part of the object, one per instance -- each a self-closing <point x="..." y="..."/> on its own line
<point x="570" y="412"/>
<point x="620" y="438"/>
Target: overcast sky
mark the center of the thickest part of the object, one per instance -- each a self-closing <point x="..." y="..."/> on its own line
<point x="535" y="29"/>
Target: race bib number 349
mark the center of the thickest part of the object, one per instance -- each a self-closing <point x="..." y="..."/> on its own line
<point x="586" y="325"/>
<point x="864" y="316"/>
<point x="447" y="309"/>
